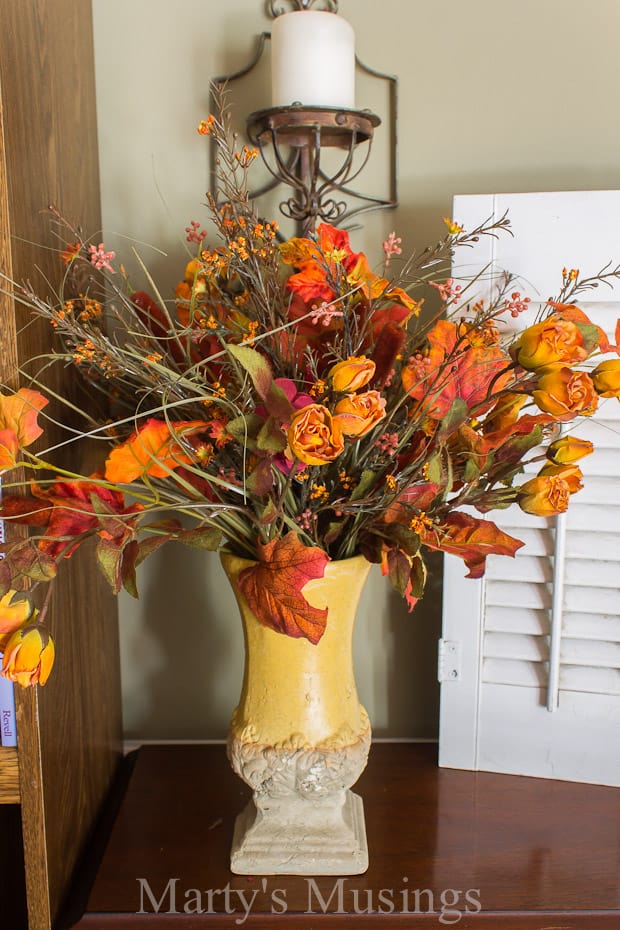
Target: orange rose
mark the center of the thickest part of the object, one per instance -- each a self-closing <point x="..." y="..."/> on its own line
<point x="571" y="474"/>
<point x="314" y="437"/>
<point x="568" y="449"/>
<point x="552" y="342"/>
<point x="565" y="393"/>
<point x="544" y="496"/>
<point x="28" y="656"/>
<point x="352" y="373"/>
<point x="14" y="611"/>
<point x="358" y="413"/>
<point x="606" y="377"/>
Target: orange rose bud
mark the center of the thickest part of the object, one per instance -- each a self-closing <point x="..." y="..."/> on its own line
<point x="358" y="413"/>
<point x="352" y="373"/>
<point x="544" y="496"/>
<point x="314" y="437"/>
<point x="606" y="377"/>
<point x="14" y="611"/>
<point x="568" y="449"/>
<point x="28" y="656"/>
<point x="571" y="474"/>
<point x="552" y="342"/>
<point x="565" y="393"/>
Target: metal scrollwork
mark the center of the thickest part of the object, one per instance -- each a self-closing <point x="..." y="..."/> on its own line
<point x="274" y="9"/>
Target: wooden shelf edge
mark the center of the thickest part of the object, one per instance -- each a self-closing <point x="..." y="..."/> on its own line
<point x="9" y="776"/>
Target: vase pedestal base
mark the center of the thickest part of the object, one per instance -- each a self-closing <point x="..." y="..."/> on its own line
<point x="299" y="837"/>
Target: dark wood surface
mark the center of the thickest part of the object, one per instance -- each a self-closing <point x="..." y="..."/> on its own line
<point x="534" y="853"/>
<point x="12" y="885"/>
<point x="69" y="732"/>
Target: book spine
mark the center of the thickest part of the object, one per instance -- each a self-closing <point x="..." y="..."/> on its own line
<point x="8" y="729"/>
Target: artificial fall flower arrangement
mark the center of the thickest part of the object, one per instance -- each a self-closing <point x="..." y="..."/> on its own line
<point x="293" y="406"/>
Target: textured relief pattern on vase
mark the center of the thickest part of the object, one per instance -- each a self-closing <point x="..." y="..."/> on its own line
<point x="297" y="770"/>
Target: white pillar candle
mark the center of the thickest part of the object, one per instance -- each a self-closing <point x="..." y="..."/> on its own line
<point x="312" y="60"/>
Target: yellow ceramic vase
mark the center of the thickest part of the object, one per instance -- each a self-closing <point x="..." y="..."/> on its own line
<point x="300" y="737"/>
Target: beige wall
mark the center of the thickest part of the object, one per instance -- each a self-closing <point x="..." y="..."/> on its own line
<point x="495" y="95"/>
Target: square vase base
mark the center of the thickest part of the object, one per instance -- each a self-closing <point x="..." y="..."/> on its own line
<point x="301" y="838"/>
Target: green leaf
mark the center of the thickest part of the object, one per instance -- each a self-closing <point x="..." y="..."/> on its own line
<point x="128" y="567"/>
<point x="434" y="471"/>
<point x="260" y="481"/>
<point x="333" y="531"/>
<point x="271" y="438"/>
<point x="471" y="471"/>
<point x="455" y="417"/>
<point x="405" y="538"/>
<point x="259" y="370"/>
<point x="151" y="544"/>
<point x="28" y="561"/>
<point x="591" y="335"/>
<point x="515" y="448"/>
<point x="417" y="576"/>
<point x="201" y="537"/>
<point x="269" y="514"/>
<point x="398" y="570"/>
<point x="245" y="427"/>
<point x="367" y="479"/>
<point x="109" y="558"/>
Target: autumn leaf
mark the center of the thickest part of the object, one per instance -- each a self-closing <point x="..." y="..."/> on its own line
<point x="415" y="498"/>
<point x="9" y="448"/>
<point x="19" y="412"/>
<point x="154" y="450"/>
<point x="68" y="510"/>
<point x="274" y="587"/>
<point x="471" y="539"/>
<point x="456" y="368"/>
<point x="24" y="562"/>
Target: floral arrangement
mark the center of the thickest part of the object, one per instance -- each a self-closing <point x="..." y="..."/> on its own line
<point x="294" y="406"/>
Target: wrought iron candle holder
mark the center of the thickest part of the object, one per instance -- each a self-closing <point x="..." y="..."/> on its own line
<point x="292" y="140"/>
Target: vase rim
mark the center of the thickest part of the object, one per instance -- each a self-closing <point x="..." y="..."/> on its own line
<point x="227" y="557"/>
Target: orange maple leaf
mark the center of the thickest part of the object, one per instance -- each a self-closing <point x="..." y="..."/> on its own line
<point x="18" y="413"/>
<point x="456" y="368"/>
<point x="9" y="448"/>
<point x="472" y="539"/>
<point x="154" y="450"/>
<point x="274" y="587"/>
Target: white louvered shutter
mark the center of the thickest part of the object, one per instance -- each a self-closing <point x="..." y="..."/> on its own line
<point x="530" y="655"/>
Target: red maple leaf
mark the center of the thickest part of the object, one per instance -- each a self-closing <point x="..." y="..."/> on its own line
<point x="69" y="510"/>
<point x="273" y="587"/>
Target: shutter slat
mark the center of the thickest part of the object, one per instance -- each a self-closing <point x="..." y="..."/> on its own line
<point x="590" y="573"/>
<point x="585" y="517"/>
<point x="588" y="652"/>
<point x="600" y="488"/>
<point x="602" y="601"/>
<point x="514" y="646"/>
<point x="586" y="544"/>
<point x="589" y="680"/>
<point x="524" y="568"/>
<point x="508" y="672"/>
<point x="520" y="620"/>
<point x="590" y="626"/>
<point x="500" y="593"/>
